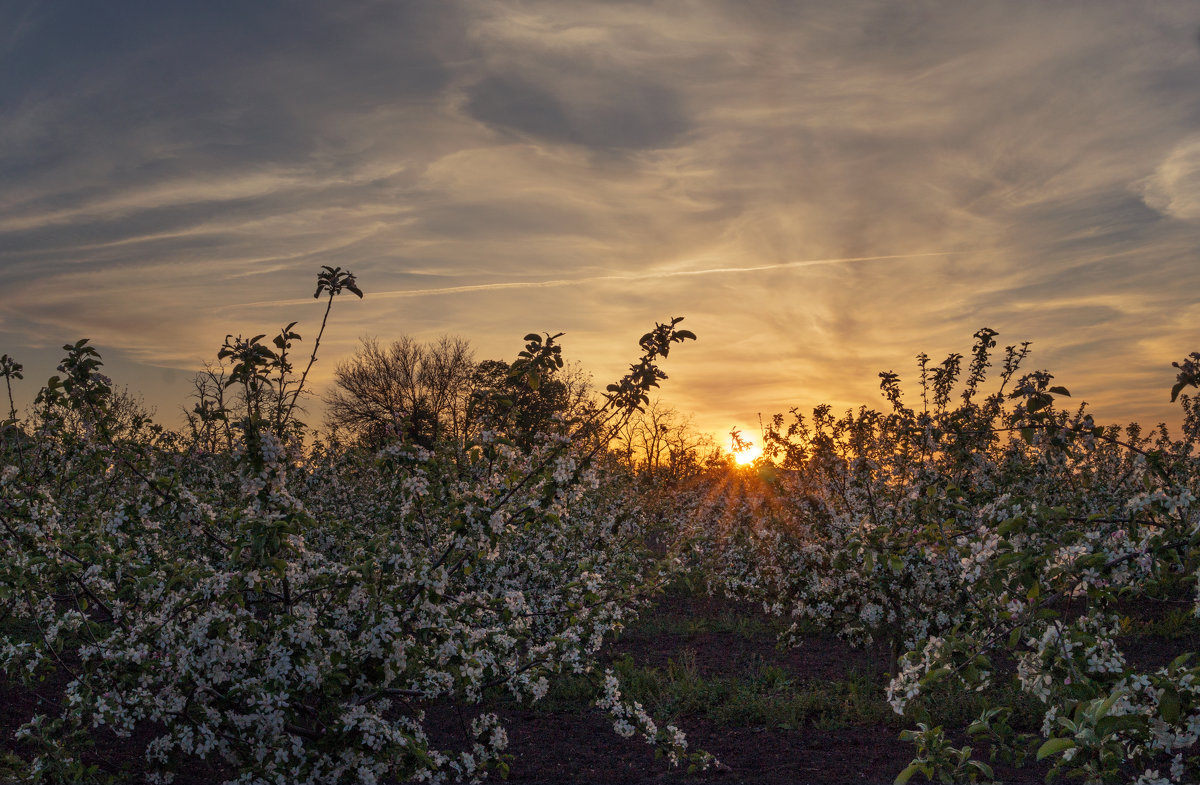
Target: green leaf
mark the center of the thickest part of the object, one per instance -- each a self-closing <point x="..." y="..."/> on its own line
<point x="1120" y="722"/>
<point x="1011" y="525"/>
<point x="983" y="769"/>
<point x="937" y="674"/>
<point x="1110" y="701"/>
<point x="1054" y="747"/>
<point x="908" y="772"/>
<point x="1169" y="705"/>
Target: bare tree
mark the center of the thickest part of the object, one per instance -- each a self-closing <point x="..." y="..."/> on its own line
<point x="446" y="377"/>
<point x="415" y="390"/>
<point x="659" y="442"/>
<point x="503" y="400"/>
<point x="209" y="418"/>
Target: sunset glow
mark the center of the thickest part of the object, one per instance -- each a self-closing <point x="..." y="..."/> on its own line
<point x="387" y="380"/>
<point x="822" y="189"/>
<point x="748" y="455"/>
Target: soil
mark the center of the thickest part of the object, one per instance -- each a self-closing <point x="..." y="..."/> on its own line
<point x="576" y="745"/>
<point x="580" y="747"/>
<point x="584" y="749"/>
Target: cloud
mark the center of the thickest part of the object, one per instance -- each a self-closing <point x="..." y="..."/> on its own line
<point x="167" y="171"/>
<point x="631" y="277"/>
<point x="618" y="111"/>
<point x="1174" y="188"/>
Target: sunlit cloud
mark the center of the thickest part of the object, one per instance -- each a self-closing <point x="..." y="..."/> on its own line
<point x="1174" y="188"/>
<point x="633" y="277"/>
<point x="823" y="190"/>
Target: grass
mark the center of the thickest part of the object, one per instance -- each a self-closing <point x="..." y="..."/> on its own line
<point x="1175" y="624"/>
<point x="725" y="620"/>
<point x="765" y="697"/>
<point x="695" y="658"/>
<point x="747" y="683"/>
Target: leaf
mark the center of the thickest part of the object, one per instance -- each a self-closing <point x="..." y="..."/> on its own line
<point x="1110" y="701"/>
<point x="1011" y="525"/>
<point x="1169" y="705"/>
<point x="909" y="771"/>
<point x="1054" y="747"/>
<point x="1107" y="725"/>
<point x="937" y="674"/>
<point x="1179" y="661"/>
<point x="1060" y="391"/>
<point x="983" y="769"/>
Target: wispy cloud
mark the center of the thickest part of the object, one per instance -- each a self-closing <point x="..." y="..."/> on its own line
<point x="632" y="277"/>
<point x="821" y="189"/>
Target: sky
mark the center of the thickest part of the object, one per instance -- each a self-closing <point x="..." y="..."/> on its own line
<point x="821" y="189"/>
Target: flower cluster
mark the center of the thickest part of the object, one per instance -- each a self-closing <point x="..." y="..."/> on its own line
<point x="959" y="529"/>
<point x="290" y="615"/>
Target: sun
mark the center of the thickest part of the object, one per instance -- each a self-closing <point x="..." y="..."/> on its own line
<point x="744" y="451"/>
<point x="747" y="456"/>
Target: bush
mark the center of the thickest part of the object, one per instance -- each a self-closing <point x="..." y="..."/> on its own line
<point x="292" y="613"/>
<point x="995" y="528"/>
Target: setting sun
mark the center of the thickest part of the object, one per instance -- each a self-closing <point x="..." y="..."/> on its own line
<point x="744" y="451"/>
<point x="554" y="273"/>
<point x="748" y="455"/>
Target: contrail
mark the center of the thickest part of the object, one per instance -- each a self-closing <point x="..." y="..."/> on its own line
<point x="555" y="282"/>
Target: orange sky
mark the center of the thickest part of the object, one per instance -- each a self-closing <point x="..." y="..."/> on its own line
<point x="822" y="189"/>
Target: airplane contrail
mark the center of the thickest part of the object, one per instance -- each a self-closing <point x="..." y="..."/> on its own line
<point x="555" y="282"/>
